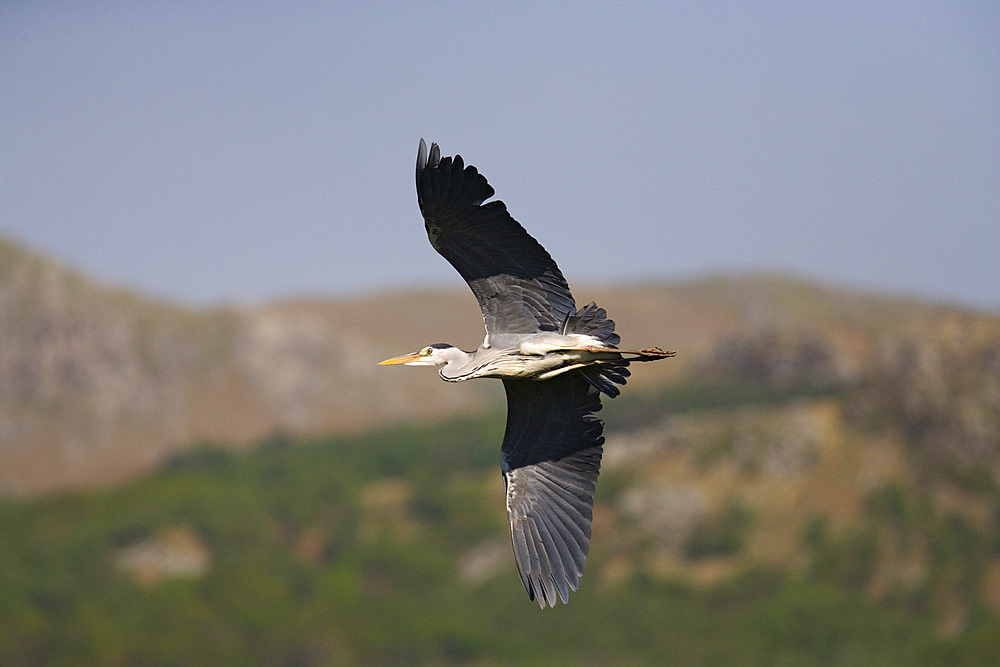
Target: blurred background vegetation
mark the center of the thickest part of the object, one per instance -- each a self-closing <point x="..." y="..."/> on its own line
<point x="816" y="481"/>
<point x="391" y="547"/>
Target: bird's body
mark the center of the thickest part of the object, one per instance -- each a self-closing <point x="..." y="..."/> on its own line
<point x="555" y="361"/>
<point x="532" y="357"/>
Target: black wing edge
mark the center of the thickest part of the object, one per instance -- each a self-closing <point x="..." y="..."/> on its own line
<point x="474" y="190"/>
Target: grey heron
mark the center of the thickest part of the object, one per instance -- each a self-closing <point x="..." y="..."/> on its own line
<point x="554" y="359"/>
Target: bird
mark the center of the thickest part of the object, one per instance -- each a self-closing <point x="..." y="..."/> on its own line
<point x="555" y="361"/>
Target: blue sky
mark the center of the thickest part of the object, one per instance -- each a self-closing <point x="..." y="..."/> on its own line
<point x="213" y="151"/>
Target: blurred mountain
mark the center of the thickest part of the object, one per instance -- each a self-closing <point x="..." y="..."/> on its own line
<point x="815" y="479"/>
<point x="100" y="383"/>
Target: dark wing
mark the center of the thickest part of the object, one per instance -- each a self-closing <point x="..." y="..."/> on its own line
<point x="551" y="458"/>
<point x="518" y="285"/>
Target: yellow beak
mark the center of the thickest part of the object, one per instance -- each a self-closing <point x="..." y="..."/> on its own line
<point x="406" y="358"/>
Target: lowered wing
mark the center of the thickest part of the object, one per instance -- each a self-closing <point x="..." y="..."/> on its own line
<point x="551" y="455"/>
<point x="518" y="285"/>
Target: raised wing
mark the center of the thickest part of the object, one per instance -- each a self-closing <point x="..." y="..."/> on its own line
<point x="518" y="285"/>
<point x="551" y="456"/>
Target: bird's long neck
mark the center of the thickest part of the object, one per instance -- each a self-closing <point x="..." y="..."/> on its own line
<point x="459" y="366"/>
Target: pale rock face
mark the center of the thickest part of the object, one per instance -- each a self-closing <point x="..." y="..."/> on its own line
<point x="98" y="384"/>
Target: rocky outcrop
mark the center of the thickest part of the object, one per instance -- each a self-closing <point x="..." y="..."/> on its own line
<point x="99" y="383"/>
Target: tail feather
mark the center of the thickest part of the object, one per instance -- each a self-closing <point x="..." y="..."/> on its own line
<point x="605" y="376"/>
<point x="593" y="321"/>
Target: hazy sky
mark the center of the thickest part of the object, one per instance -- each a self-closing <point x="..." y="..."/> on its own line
<point x="231" y="150"/>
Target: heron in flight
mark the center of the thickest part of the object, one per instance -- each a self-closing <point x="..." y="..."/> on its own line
<point x="555" y="361"/>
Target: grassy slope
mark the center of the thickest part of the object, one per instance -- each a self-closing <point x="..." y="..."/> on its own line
<point x="354" y="549"/>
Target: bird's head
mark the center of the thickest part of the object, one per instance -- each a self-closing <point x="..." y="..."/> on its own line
<point x="438" y="354"/>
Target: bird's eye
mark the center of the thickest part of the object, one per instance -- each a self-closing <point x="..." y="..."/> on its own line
<point x="426" y="351"/>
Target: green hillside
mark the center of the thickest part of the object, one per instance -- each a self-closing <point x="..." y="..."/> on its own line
<point x="736" y="523"/>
